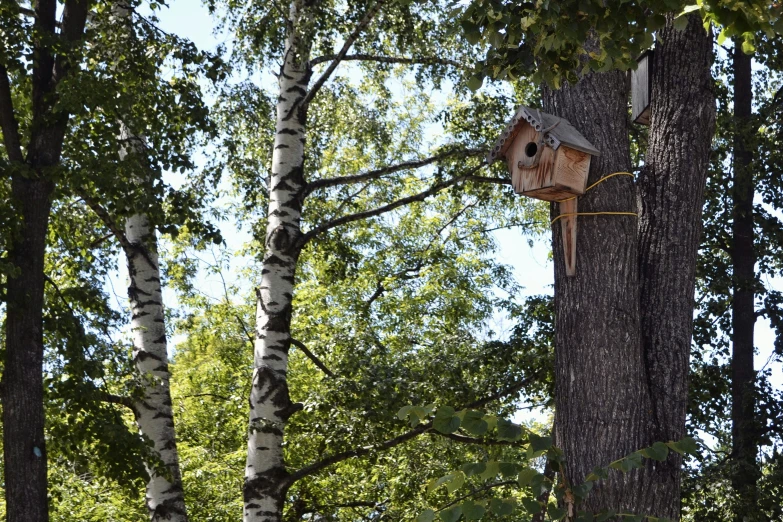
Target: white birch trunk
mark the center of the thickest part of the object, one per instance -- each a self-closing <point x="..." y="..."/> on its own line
<point x="164" y="497"/>
<point x="270" y="405"/>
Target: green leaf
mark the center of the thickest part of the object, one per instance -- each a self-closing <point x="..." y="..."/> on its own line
<point x="445" y="421"/>
<point x="428" y="515"/>
<point x="539" y="443"/>
<point x="680" y="23"/>
<point x="472" y="510"/>
<point x="686" y="445"/>
<point x="502" y="507"/>
<point x="475" y="83"/>
<point x="456" y="483"/>
<point x="748" y="47"/>
<point x="508" y="430"/>
<point x="404" y="411"/>
<point x="555" y="513"/>
<point x="453" y="481"/>
<point x="452" y="514"/>
<point x="474" y="423"/>
<point x="531" y="505"/>
<point x="658" y="451"/>
<point x="473" y="468"/>
<point x="508" y="469"/>
<point x="491" y="470"/>
<point x="526" y="477"/>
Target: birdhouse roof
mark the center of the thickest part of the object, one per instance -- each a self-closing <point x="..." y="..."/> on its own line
<point x="559" y="131"/>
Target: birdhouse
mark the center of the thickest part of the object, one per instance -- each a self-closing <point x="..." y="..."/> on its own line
<point x="641" y="88"/>
<point x="548" y="159"/>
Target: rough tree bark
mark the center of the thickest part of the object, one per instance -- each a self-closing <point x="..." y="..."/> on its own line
<point x="32" y="186"/>
<point x="165" y="498"/>
<point x="270" y="405"/>
<point x="743" y="313"/>
<point x="624" y="322"/>
<point x="671" y="193"/>
<point x="601" y="398"/>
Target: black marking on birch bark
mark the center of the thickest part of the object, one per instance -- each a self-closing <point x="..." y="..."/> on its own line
<point x="279" y="212"/>
<point x="279" y="239"/>
<point x="271" y="357"/>
<point x="152" y="279"/>
<point x="282" y="146"/>
<point x="291" y="132"/>
<point x="277" y="261"/>
<point x="149" y="302"/>
<point x="160" y="340"/>
<point x="280" y="323"/>
<point x="137" y="316"/>
<point x="298" y="89"/>
<point x="144" y="355"/>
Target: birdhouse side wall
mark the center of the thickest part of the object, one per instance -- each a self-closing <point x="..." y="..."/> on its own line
<point x="641" y="82"/>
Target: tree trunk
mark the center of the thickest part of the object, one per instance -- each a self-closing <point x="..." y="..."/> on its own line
<point x="24" y="446"/>
<point x="743" y="313"/>
<point x="624" y="322"/>
<point x="671" y="191"/>
<point x="601" y="396"/>
<point x="165" y="498"/>
<point x="266" y="479"/>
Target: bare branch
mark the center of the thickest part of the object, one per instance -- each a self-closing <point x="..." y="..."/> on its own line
<point x="377" y="173"/>
<point x="421" y="196"/>
<point x="310" y="355"/>
<point x="396" y="441"/>
<point x="118" y="399"/>
<point x="488" y="179"/>
<point x="426" y="60"/>
<point x="361" y="26"/>
<point x="473" y="440"/>
<point x="104" y="215"/>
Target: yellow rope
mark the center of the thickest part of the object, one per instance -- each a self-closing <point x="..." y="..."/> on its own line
<point x="597" y="183"/>
<point x="567" y="214"/>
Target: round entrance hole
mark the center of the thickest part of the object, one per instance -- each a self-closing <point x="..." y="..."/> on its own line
<point x="531" y="149"/>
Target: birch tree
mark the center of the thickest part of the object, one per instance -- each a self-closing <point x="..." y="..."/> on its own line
<point x="76" y="112"/>
<point x="302" y="37"/>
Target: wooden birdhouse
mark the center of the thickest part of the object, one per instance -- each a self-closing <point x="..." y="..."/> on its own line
<point x="641" y="88"/>
<point x="548" y="159"/>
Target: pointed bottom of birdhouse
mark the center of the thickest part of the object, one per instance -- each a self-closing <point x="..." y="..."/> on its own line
<point x="568" y="227"/>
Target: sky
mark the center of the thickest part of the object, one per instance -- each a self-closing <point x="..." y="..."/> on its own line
<point x="531" y="265"/>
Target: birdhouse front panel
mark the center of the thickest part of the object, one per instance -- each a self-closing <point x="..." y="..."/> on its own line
<point x="539" y="171"/>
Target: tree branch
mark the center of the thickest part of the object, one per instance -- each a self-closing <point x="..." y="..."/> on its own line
<point x="118" y="399"/>
<point x="396" y="441"/>
<point x="310" y="355"/>
<point x="473" y="440"/>
<point x="428" y="60"/>
<point x="104" y="215"/>
<point x="361" y="26"/>
<point x="421" y="196"/>
<point x="477" y="491"/>
<point x="377" y="173"/>
<point x="8" y="123"/>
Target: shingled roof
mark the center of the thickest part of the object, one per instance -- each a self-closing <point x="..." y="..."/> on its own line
<point x="561" y="133"/>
